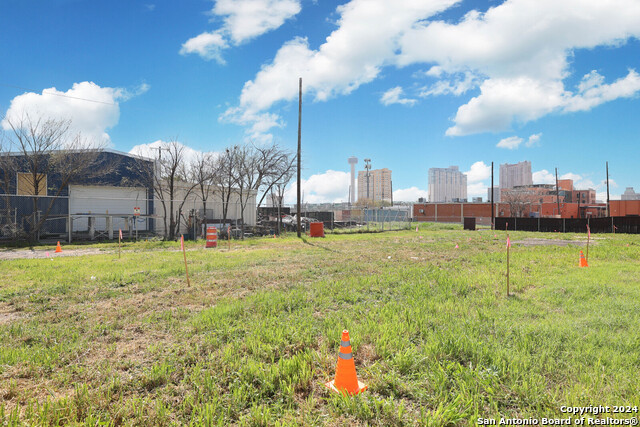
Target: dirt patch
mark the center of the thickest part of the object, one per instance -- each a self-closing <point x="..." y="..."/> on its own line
<point x="8" y="254"/>
<point x="549" y="242"/>
<point x="6" y="318"/>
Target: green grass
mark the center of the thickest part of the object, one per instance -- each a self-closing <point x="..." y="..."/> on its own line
<point x="97" y="340"/>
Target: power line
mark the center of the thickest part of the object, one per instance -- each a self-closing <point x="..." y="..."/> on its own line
<point x="58" y="94"/>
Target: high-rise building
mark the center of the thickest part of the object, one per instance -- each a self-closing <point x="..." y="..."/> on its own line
<point x="379" y="187"/>
<point x="496" y="194"/>
<point x="447" y="185"/>
<point x="515" y="175"/>
<point x="629" y="194"/>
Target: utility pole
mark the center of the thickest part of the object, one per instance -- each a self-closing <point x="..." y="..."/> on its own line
<point x="493" y="217"/>
<point x="608" y="206"/>
<point x="558" y="193"/>
<point x="299" y="150"/>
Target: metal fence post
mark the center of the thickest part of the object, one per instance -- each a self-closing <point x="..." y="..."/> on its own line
<point x="70" y="219"/>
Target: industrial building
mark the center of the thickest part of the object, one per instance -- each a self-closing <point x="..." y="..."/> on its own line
<point x="447" y="185"/>
<point x="118" y="193"/>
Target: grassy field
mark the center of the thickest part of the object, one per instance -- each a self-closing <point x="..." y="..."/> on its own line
<point x="97" y="340"/>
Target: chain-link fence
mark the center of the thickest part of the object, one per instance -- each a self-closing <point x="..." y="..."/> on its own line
<point x="64" y="218"/>
<point x="338" y="220"/>
<point x="100" y="217"/>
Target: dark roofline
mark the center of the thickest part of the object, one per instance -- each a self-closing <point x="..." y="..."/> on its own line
<point x="105" y="150"/>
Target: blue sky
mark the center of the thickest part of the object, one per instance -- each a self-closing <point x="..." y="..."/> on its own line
<point x="411" y="85"/>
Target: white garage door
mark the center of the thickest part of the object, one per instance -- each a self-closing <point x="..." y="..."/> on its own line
<point x="115" y="201"/>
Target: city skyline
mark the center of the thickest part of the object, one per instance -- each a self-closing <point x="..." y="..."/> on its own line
<point x="424" y="84"/>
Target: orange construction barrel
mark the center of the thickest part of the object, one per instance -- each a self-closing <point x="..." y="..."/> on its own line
<point x="212" y="237"/>
<point x="316" y="229"/>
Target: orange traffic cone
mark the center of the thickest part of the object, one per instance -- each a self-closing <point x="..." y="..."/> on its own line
<point x="58" y="248"/>
<point x="583" y="260"/>
<point x="346" y="380"/>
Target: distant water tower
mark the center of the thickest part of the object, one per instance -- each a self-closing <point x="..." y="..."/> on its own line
<point x="352" y="188"/>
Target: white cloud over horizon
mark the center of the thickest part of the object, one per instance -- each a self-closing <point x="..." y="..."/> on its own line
<point x="92" y="109"/>
<point x="327" y="187"/>
<point x="411" y="194"/>
<point x="243" y="20"/>
<point x="479" y="172"/>
<point x="151" y="151"/>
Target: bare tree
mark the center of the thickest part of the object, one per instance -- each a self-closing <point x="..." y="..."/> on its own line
<point x="518" y="201"/>
<point x="7" y="176"/>
<point x="225" y="177"/>
<point x="202" y="171"/>
<point x="249" y="175"/>
<point x="279" y="186"/>
<point x="46" y="149"/>
<point x="173" y="181"/>
<point x="272" y="163"/>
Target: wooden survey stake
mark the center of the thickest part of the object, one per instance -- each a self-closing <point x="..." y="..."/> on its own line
<point x="186" y="269"/>
<point x="588" y="238"/>
<point x="119" y="241"/>
<point x="508" y="246"/>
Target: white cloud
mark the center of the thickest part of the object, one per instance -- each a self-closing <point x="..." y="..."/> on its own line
<point x="543" y="177"/>
<point x="580" y="182"/>
<point x="92" y="109"/>
<point x="243" y="20"/>
<point x="456" y="86"/>
<point x="328" y="187"/>
<point x="151" y="151"/>
<point x="592" y="91"/>
<point x="503" y="100"/>
<point x="394" y="96"/>
<point x="602" y="196"/>
<point x="411" y="194"/>
<point x="519" y="67"/>
<point x="510" y="143"/>
<point x="533" y="140"/>
<point x="247" y="19"/>
<point x="207" y="45"/>
<point x="479" y="172"/>
<point x="524" y="69"/>
<point x="513" y="142"/>
<point x="477" y="189"/>
<point x="365" y="41"/>
<point x="257" y="124"/>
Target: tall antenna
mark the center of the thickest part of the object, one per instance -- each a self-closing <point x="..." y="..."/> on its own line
<point x="299" y="150"/>
<point x="367" y="166"/>
<point x="352" y="195"/>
